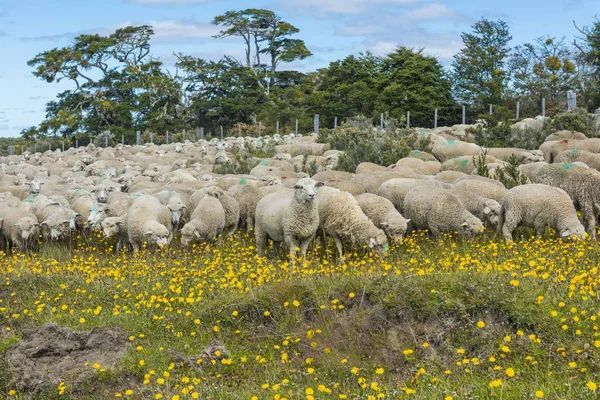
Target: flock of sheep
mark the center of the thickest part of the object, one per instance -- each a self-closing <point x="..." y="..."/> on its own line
<point x="142" y="195"/>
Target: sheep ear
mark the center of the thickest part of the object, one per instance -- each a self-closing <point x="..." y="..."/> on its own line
<point x="320" y="184"/>
<point x="196" y="233"/>
<point x="486" y="210"/>
<point x="408" y="220"/>
<point x="372" y="243"/>
<point x="384" y="223"/>
<point x="465" y="224"/>
<point x="66" y="221"/>
<point x="150" y="232"/>
<point x="566" y="233"/>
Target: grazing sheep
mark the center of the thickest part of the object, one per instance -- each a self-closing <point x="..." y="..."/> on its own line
<point x="492" y="190"/>
<point x="19" y="228"/>
<point x="438" y="210"/>
<point x="116" y="227"/>
<point x="148" y="222"/>
<point x="538" y="206"/>
<point x="581" y="184"/>
<point x="382" y="213"/>
<point x="487" y="210"/>
<point x="395" y="190"/>
<point x="292" y="219"/>
<point x="175" y="204"/>
<point x="206" y="222"/>
<point x="230" y="207"/>
<point x="341" y="218"/>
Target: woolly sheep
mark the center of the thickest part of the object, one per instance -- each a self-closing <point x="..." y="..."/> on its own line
<point x="581" y="184"/>
<point x="592" y="160"/>
<point x="292" y="219"/>
<point x="395" y="190"/>
<point x="350" y="187"/>
<point x="247" y="197"/>
<point x="368" y="167"/>
<point x="230" y="207"/>
<point x="439" y="211"/>
<point x="561" y="135"/>
<point x="522" y="155"/>
<point x="382" y="213"/>
<point x="176" y="205"/>
<point x="487" y="210"/>
<point x="538" y="206"/>
<point x="465" y="163"/>
<point x="19" y="228"/>
<point x="449" y="176"/>
<point x="148" y="222"/>
<point x="206" y="222"/>
<point x="341" y="218"/>
<point x="454" y="148"/>
<point x="482" y="188"/>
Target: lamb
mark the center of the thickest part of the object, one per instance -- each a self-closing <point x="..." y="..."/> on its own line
<point x="175" y="204"/>
<point x="538" y="206"/>
<point x="230" y="207"/>
<point x="116" y="227"/>
<point x="148" y="222"/>
<point x="292" y="219"/>
<point x="438" y="210"/>
<point x="206" y="222"/>
<point x="341" y="217"/>
<point x="395" y="190"/>
<point x="382" y="213"/>
<point x="19" y="227"/>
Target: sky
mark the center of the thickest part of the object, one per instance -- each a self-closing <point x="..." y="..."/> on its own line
<point x="332" y="29"/>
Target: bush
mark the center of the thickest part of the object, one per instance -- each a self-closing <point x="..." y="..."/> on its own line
<point x="369" y="145"/>
<point x="509" y="175"/>
<point x="578" y="120"/>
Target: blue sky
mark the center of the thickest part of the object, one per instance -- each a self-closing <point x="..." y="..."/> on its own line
<point x="332" y="29"/>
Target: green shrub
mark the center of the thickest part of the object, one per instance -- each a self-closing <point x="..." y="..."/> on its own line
<point x="578" y="120"/>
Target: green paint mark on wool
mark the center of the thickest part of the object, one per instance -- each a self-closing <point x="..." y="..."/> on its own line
<point x="422" y="133"/>
<point x="27" y="201"/>
<point x="416" y="153"/>
<point x="451" y="142"/>
<point x="264" y="162"/>
<point x="464" y="163"/>
<point x="568" y="166"/>
<point x="243" y="181"/>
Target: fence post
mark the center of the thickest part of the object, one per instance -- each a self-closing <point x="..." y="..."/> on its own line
<point x="105" y="142"/>
<point x="571" y="100"/>
<point x="277" y="128"/>
<point x="11" y="150"/>
<point x="50" y="146"/>
<point x="167" y="137"/>
<point x="63" y="146"/>
<point x="543" y="106"/>
<point x="296" y="127"/>
<point x="202" y="133"/>
<point x="464" y="114"/>
<point x="259" y="128"/>
<point x="21" y="149"/>
<point x="184" y="135"/>
<point x="335" y="123"/>
<point x="151" y="139"/>
<point x="491" y="110"/>
<point x="138" y="138"/>
<point x="76" y="143"/>
<point x="435" y="118"/>
<point x="239" y="129"/>
<point x="518" y="105"/>
<point x="122" y="140"/>
<point x="34" y="148"/>
<point x="316" y="124"/>
<point x="408" y="119"/>
<point x="221" y="132"/>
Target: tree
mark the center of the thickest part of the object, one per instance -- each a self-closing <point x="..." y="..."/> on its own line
<point x="479" y="69"/>
<point x="411" y="81"/>
<point x="263" y="32"/>
<point x="544" y="69"/>
<point x="118" y="85"/>
<point x="588" y="60"/>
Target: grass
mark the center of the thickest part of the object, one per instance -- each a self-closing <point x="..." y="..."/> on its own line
<point x="433" y="320"/>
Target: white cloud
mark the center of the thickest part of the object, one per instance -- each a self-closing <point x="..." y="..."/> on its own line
<point x="168" y="2"/>
<point x="443" y="47"/>
<point x="345" y="6"/>
<point x="428" y="12"/>
<point x="174" y="30"/>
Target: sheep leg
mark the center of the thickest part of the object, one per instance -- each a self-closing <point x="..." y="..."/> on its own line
<point x="249" y="224"/>
<point x="589" y="220"/>
<point x="507" y="231"/>
<point x="293" y="243"/>
<point x="261" y="241"/>
<point x="135" y="247"/>
<point x="276" y="247"/>
<point x="304" y="245"/>
<point x="339" y="245"/>
<point x="119" y="245"/>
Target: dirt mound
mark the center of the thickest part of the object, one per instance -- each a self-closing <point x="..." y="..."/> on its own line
<point x="52" y="354"/>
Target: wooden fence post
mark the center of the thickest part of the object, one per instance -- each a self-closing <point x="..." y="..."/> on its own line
<point x="408" y="119"/>
<point x="435" y="118"/>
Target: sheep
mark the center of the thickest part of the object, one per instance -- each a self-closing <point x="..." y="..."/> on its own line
<point x="7" y="199"/>
<point x="466" y="164"/>
<point x="382" y="213"/>
<point x="371" y="182"/>
<point x="422" y="155"/>
<point x="292" y="219"/>
<point x="206" y="222"/>
<point x="487" y="210"/>
<point x="230" y="207"/>
<point x="561" y="135"/>
<point x="148" y="222"/>
<point x="175" y="204"/>
<point x="341" y="218"/>
<point x="492" y="190"/>
<point x="592" y="160"/>
<point x="247" y="197"/>
<point x="522" y="155"/>
<point x="438" y="210"/>
<point x="396" y="189"/>
<point x="538" y="206"/>
<point x="116" y="227"/>
<point x="581" y="184"/>
<point x="19" y="228"/>
<point x="449" y="176"/>
<point x="368" y="167"/>
<point x="351" y="187"/>
<point x="454" y="148"/>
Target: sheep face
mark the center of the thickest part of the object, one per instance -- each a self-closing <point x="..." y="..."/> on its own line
<point x="35" y="186"/>
<point x="96" y="214"/>
<point x="28" y="229"/>
<point x="177" y="209"/>
<point x="471" y="227"/>
<point x="55" y="229"/>
<point x="378" y="243"/>
<point x="102" y="194"/>
<point x="491" y="212"/>
<point x="158" y="236"/>
<point x="111" y="227"/>
<point x="190" y="234"/>
<point x="395" y="228"/>
<point x="576" y="232"/>
<point x="305" y="189"/>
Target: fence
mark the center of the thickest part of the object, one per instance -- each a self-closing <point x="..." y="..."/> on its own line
<point x="461" y="114"/>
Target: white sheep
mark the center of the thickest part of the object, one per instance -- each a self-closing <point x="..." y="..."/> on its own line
<point x="19" y="228"/>
<point x="230" y="207"/>
<point x="438" y="210"/>
<point x="116" y="227"/>
<point x="538" y="206"/>
<point x="395" y="190"/>
<point x="148" y="222"/>
<point x="382" y="213"/>
<point x="341" y="218"/>
<point x="206" y="222"/>
<point x="292" y="219"/>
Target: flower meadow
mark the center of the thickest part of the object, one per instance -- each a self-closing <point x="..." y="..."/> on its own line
<point x="445" y="319"/>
